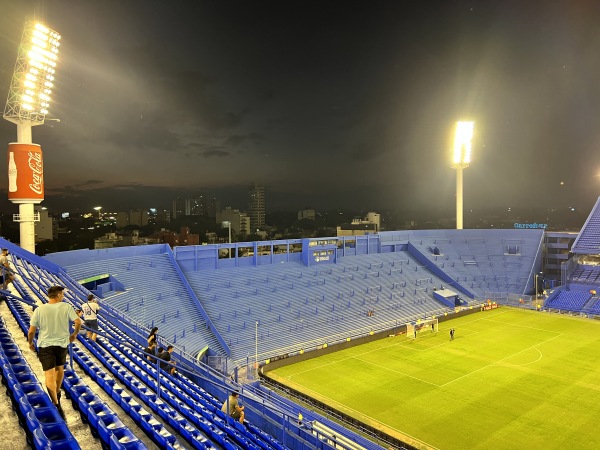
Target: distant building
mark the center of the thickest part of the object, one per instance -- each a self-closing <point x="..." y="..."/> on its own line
<point x="163" y="216"/>
<point x="111" y="240"/>
<point x="308" y="214"/>
<point x="195" y="206"/>
<point x="184" y="237"/>
<point x="240" y="222"/>
<point x="47" y="228"/>
<point x="359" y="227"/>
<point x="121" y="219"/>
<point x="138" y="217"/>
<point x="373" y="217"/>
<point x="256" y="208"/>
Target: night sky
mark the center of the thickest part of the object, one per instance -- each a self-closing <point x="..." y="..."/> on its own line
<point x="327" y="103"/>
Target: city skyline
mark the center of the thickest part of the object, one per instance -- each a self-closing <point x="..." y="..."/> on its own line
<point x="339" y="104"/>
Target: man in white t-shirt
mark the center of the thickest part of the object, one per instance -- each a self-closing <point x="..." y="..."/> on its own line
<point x="90" y="316"/>
<point x="53" y="319"/>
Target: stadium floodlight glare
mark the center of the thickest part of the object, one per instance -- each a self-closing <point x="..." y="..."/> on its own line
<point x="31" y="87"/>
<point x="28" y="102"/>
<point x="461" y="160"/>
<point x="462" y="144"/>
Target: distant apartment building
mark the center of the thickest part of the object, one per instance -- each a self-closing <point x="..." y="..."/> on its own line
<point x="308" y="214"/>
<point x="163" y="215"/>
<point x="359" y="227"/>
<point x="196" y="206"/>
<point x="240" y="222"/>
<point x="47" y="228"/>
<point x="121" y="219"/>
<point x="138" y="217"/>
<point x="256" y="208"/>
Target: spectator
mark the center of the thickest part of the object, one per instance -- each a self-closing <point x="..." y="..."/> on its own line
<point x="52" y="319"/>
<point x="235" y="410"/>
<point x="153" y="335"/>
<point x="90" y="316"/>
<point x="166" y="356"/>
<point x="152" y="349"/>
<point x="7" y="274"/>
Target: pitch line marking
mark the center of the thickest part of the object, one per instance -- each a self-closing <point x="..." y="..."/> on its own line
<point x="401" y="344"/>
<point x="369" y="418"/>
<point x="504" y="364"/>
<point x="521" y="326"/>
<point x="397" y="371"/>
<point x="500" y="360"/>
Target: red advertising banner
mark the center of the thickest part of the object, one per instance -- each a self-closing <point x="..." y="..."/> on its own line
<point x="25" y="173"/>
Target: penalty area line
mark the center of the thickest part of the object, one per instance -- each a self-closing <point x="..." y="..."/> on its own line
<point x="500" y="360"/>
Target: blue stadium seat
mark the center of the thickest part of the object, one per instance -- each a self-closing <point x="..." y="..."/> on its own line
<point x="54" y="436"/>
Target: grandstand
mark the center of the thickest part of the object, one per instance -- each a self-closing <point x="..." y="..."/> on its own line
<point x="224" y="315"/>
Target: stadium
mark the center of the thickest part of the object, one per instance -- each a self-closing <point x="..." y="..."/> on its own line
<point x="337" y="342"/>
<point x="426" y="339"/>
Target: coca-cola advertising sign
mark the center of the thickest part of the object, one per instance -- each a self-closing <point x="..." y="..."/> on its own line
<point x="25" y="173"/>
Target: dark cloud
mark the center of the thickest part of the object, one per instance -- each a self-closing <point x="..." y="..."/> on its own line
<point x="213" y="153"/>
<point x="237" y="140"/>
<point x="157" y="98"/>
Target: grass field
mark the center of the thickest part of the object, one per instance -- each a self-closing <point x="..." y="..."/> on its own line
<point x="511" y="379"/>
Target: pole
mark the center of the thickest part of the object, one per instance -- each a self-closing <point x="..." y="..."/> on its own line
<point x="256" y="350"/>
<point x="459" y="198"/>
<point x="229" y="226"/>
<point x="26" y="212"/>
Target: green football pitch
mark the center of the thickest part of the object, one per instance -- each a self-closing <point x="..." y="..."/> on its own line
<point x="511" y="379"/>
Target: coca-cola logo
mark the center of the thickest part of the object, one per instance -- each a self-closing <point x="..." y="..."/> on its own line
<point x="37" y="172"/>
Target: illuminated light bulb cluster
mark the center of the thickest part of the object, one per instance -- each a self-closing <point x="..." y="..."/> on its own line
<point x="42" y="54"/>
<point x="462" y="143"/>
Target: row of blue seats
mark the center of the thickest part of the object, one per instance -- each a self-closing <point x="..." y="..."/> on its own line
<point x="112" y="432"/>
<point x="569" y="300"/>
<point x="154" y="429"/>
<point x="141" y="388"/>
<point x="210" y="407"/>
<point x="103" y="421"/>
<point x="178" y="416"/>
<point x="192" y="395"/>
<point x="44" y="427"/>
<point x="243" y="441"/>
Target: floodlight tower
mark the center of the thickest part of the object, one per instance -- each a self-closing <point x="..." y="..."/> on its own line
<point x="461" y="160"/>
<point x="26" y="106"/>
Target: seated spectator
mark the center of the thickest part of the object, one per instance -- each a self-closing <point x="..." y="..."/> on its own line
<point x="235" y="410"/>
<point x="152" y="349"/>
<point x="166" y="356"/>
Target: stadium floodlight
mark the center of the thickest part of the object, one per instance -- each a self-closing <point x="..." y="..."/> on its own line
<point x="31" y="87"/>
<point x="27" y="105"/>
<point x="461" y="159"/>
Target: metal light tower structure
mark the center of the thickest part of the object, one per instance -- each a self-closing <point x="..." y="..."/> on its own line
<point x="26" y="106"/>
<point x="461" y="160"/>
